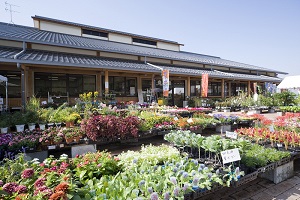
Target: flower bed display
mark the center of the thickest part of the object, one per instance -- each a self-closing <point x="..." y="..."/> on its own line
<point x="111" y="127"/>
<point x="99" y="175"/>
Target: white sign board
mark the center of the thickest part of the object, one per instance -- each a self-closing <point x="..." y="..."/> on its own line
<point x="230" y="155"/>
<point x="190" y="120"/>
<point x="231" y="135"/>
<point x="271" y="128"/>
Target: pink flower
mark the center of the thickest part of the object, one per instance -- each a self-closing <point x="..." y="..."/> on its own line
<point x="10" y="187"/>
<point x="21" y="189"/>
<point x="27" y="173"/>
<point x="39" y="182"/>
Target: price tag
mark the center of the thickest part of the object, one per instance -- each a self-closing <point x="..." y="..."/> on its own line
<point x="176" y="118"/>
<point x="232" y="135"/>
<point x="230" y="155"/>
<point x="61" y="145"/>
<point x="190" y="120"/>
<point x="279" y="145"/>
<point x="271" y="128"/>
<point x="52" y="147"/>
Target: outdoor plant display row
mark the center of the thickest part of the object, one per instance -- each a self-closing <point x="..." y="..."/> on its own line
<point x="210" y="148"/>
<point x="141" y="175"/>
<point x="284" y="130"/>
<point x="29" y="141"/>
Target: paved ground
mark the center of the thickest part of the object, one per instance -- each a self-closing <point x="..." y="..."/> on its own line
<point x="259" y="189"/>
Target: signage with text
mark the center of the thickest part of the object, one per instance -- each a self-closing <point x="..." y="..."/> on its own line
<point x="230" y="155"/>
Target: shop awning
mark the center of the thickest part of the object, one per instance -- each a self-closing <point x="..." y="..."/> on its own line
<point x="290" y="82"/>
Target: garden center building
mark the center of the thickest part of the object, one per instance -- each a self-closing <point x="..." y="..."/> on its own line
<point x="63" y="59"/>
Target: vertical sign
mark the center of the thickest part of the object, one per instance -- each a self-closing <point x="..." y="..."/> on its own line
<point x="165" y="76"/>
<point x="255" y="95"/>
<point x="204" y="85"/>
<point x="254" y="88"/>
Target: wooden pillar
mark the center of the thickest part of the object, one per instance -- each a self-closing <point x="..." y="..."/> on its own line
<point x="229" y="89"/>
<point x="188" y="93"/>
<point x="26" y="74"/>
<point x="223" y="89"/>
<point x="249" y="88"/>
<point x="99" y="83"/>
<point x="139" y="89"/>
<point x="29" y="82"/>
<point x="106" y="82"/>
<point x="152" y="85"/>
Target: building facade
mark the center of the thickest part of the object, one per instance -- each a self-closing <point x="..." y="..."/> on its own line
<point x="57" y="60"/>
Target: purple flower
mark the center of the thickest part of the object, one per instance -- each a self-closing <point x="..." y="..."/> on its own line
<point x="150" y="190"/>
<point x="195" y="162"/>
<point x="202" y="166"/>
<point x="237" y="171"/>
<point x="154" y="196"/>
<point x="173" y="180"/>
<point x="141" y="183"/>
<point x="185" y="174"/>
<point x="195" y="181"/>
<point x="10" y="187"/>
<point x="185" y="186"/>
<point x="167" y="196"/>
<point x="209" y="175"/>
<point x="176" y="191"/>
<point x="175" y="169"/>
<point x="27" y="173"/>
<point x="21" y="189"/>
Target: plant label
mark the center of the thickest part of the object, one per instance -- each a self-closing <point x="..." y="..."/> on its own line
<point x="176" y="118"/>
<point x="231" y="135"/>
<point x="61" y="145"/>
<point x="230" y="155"/>
<point x="279" y="145"/>
<point x="190" y="120"/>
<point x="52" y="147"/>
<point x="271" y="128"/>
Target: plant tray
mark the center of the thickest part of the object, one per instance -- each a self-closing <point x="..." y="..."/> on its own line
<point x="246" y="179"/>
<point x="189" y="196"/>
<point x="282" y="161"/>
<point x="266" y="168"/>
<point x="203" y="192"/>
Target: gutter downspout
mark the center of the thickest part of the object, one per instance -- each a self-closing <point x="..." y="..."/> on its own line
<point x="22" y="75"/>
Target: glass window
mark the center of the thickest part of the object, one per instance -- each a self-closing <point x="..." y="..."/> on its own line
<point x="238" y="87"/>
<point x="195" y="88"/>
<point x="214" y="89"/>
<point x="14" y="84"/>
<point x="60" y="84"/>
<point x="121" y="86"/>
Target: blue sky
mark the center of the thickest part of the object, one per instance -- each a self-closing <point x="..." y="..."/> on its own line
<point x="264" y="33"/>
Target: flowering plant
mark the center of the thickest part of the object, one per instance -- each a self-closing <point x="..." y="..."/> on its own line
<point x="223" y="119"/>
<point x="111" y="127"/>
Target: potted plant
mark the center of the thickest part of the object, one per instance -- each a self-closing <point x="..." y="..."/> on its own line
<point x="4" y="123"/>
<point x="71" y="119"/>
<point x="18" y="120"/>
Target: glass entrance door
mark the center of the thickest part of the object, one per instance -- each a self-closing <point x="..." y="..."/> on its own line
<point x="178" y="92"/>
